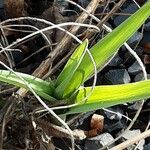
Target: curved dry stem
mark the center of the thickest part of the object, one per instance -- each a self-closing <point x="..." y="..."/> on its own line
<point x="33" y="27"/>
<point x="5" y="43"/>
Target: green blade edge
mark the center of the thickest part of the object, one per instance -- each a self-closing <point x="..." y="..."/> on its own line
<point x="73" y="63"/>
<point x="43" y="88"/>
<point x="110" y="95"/>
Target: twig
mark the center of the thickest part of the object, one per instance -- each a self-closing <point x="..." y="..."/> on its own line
<point x="114" y="112"/>
<point x="5" y="43"/>
<point x="114" y="9"/>
<point x="57" y="131"/>
<point x="26" y="37"/>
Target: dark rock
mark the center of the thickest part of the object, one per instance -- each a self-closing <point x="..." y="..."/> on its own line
<point x="36" y="8"/>
<point x="64" y="144"/>
<point x="138" y="50"/>
<point x="135" y="39"/>
<point x="140" y="77"/>
<point x="18" y="56"/>
<point x="146" y="38"/>
<point x="63" y="5"/>
<point x="141" y="2"/>
<point x="129" y="58"/>
<point x="113" y="126"/>
<point x="118" y="76"/>
<point x="2" y="11"/>
<point x="135" y="68"/>
<point x="98" y="141"/>
<point x="148" y="104"/>
<point x="135" y="106"/>
<point x="147" y="26"/>
<point x="130" y="9"/>
<point x="116" y="61"/>
<point x="84" y="3"/>
<point x="147" y="147"/>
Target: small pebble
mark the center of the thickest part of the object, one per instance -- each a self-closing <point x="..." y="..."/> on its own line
<point x="98" y="141"/>
<point x="130" y="9"/>
<point x="135" y="68"/>
<point x="118" y="76"/>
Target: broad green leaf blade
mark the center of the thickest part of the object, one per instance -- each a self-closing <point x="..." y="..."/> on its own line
<point x="106" y="48"/>
<point x="73" y="63"/>
<point x="43" y="88"/>
<point x="110" y="95"/>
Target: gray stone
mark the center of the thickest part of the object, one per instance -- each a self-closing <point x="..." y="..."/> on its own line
<point x="131" y="134"/>
<point x="147" y="26"/>
<point x="147" y="147"/>
<point x="135" y="106"/>
<point x="136" y="38"/>
<point x="116" y="61"/>
<point x="118" y="76"/>
<point x="130" y="9"/>
<point x="84" y="3"/>
<point x="129" y="58"/>
<point x="140" y="77"/>
<point x="63" y="4"/>
<point x="113" y="126"/>
<point x="146" y="38"/>
<point x="135" y="68"/>
<point x="98" y="141"/>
